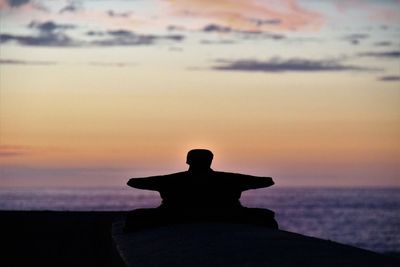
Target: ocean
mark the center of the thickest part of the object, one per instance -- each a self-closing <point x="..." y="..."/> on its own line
<point x="363" y="217"/>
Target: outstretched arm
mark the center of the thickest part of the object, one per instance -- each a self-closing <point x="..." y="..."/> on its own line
<point x="149" y="183"/>
<point x="254" y="182"/>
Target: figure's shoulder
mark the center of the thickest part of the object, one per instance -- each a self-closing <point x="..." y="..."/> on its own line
<point x="175" y="175"/>
<point x="230" y="174"/>
<point x="162" y="176"/>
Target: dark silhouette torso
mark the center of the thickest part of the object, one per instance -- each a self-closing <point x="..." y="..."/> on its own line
<point x="206" y="189"/>
<point x="200" y="190"/>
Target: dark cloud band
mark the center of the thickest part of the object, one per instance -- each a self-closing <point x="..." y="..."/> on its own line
<point x="51" y="34"/>
<point x="393" y="78"/>
<point x="17" y="3"/>
<point x="384" y="54"/>
<point x="286" y="65"/>
<point x="52" y="40"/>
<point x="49" y="26"/>
<point x="24" y="62"/>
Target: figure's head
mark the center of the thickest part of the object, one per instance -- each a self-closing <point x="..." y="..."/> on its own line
<point x="199" y="159"/>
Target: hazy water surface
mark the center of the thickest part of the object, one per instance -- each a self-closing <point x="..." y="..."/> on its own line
<point x="367" y="218"/>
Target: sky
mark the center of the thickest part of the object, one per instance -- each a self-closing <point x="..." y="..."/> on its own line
<point x="94" y="92"/>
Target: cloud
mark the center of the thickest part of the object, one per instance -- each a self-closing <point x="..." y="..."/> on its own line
<point x="71" y="8"/>
<point x="263" y="35"/>
<point x="217" y="42"/>
<point x="114" y="38"/>
<point x="210" y="28"/>
<point x="247" y="15"/>
<point x="51" y="40"/>
<point x="126" y="38"/>
<point x="101" y="64"/>
<point x="385" y="54"/>
<point x="393" y="78"/>
<point x="49" y="26"/>
<point x="384" y="11"/>
<point x="24" y="62"/>
<point x="95" y="33"/>
<point x="121" y="33"/>
<point x="22" y="175"/>
<point x="13" y="151"/>
<point x="261" y="22"/>
<point x="383" y="43"/>
<point x="356" y="38"/>
<point x="216" y="28"/>
<point x="27" y="5"/>
<point x="113" y="64"/>
<point x="114" y="14"/>
<point x="286" y="65"/>
<point x="175" y="28"/>
<point x="49" y="34"/>
<point x="17" y="3"/>
<point x="53" y="34"/>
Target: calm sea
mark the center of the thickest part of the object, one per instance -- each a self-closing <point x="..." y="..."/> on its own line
<point x="363" y="217"/>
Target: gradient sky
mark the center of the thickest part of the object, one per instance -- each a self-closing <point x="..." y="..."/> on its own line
<point x="93" y="92"/>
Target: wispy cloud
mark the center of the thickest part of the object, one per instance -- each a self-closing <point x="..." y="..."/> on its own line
<point x="63" y="40"/>
<point x="113" y="64"/>
<point x="51" y="40"/>
<point x="71" y="8"/>
<point x="261" y="22"/>
<point x="24" y="62"/>
<point x="286" y="65"/>
<point x="217" y="42"/>
<point x="243" y="33"/>
<point x="394" y="78"/>
<point x="250" y="15"/>
<point x="13" y="3"/>
<point x="26" y="5"/>
<point x="17" y="175"/>
<point x="49" y="26"/>
<point x="355" y="38"/>
<point x="13" y="151"/>
<point x="383" y="43"/>
<point x="125" y="37"/>
<point x="114" y="14"/>
<point x="53" y="34"/>
<point x="384" y="54"/>
<point x="49" y="33"/>
<point x="217" y="28"/>
<point x="385" y="11"/>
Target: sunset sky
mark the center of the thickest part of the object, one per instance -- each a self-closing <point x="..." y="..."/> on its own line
<point x="94" y="92"/>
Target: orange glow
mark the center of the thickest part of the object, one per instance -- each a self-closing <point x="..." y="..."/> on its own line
<point x="128" y="88"/>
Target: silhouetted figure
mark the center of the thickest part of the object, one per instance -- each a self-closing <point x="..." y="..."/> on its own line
<point x="200" y="195"/>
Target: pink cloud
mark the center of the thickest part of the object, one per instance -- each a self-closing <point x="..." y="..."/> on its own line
<point x="3" y="4"/>
<point x="385" y="15"/>
<point x="378" y="11"/>
<point x="249" y="15"/>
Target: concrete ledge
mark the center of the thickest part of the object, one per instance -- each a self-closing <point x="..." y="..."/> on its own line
<point x="219" y="244"/>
